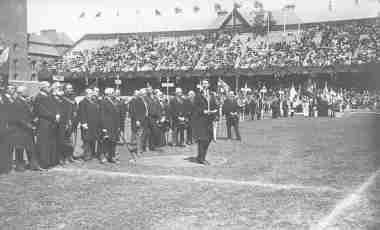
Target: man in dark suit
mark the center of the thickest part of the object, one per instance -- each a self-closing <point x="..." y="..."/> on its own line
<point x="21" y="121"/>
<point x="110" y="123"/>
<point x="230" y="109"/>
<point x="90" y="122"/>
<point x="202" y="121"/>
<point x="138" y="112"/>
<point x="177" y="114"/>
<point x="5" y="153"/>
<point x="188" y="106"/>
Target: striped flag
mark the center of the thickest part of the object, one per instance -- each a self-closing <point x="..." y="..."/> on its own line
<point x="4" y="67"/>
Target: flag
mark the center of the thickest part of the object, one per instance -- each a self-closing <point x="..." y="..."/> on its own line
<point x="138" y="12"/>
<point x="178" y="10"/>
<point x="4" y="67"/>
<point x="257" y="5"/>
<point x="330" y="5"/>
<point x="157" y="12"/>
<point x="98" y="14"/>
<point x="237" y="5"/>
<point x="357" y="2"/>
<point x="289" y="7"/>
<point x="196" y="9"/>
<point x="217" y="7"/>
<point x="82" y="15"/>
<point x="117" y="13"/>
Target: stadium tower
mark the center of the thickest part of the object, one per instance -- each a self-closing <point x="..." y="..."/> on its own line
<point x="13" y="34"/>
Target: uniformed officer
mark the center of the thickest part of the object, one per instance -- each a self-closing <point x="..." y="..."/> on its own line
<point x="230" y="109"/>
<point x="202" y="120"/>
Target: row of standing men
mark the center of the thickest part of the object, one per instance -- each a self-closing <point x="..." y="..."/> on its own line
<point x="45" y="127"/>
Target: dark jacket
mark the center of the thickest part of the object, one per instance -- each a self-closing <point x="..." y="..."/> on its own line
<point x="202" y="123"/>
<point x="89" y="113"/>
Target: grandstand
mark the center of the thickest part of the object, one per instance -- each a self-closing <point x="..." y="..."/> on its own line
<point x="228" y="46"/>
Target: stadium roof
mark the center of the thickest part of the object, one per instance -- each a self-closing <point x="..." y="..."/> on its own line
<point x="49" y="43"/>
<point x="42" y="50"/>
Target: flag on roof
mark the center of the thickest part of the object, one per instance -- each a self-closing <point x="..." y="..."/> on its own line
<point x="257" y="5"/>
<point x="98" y="14"/>
<point x="357" y="2"/>
<point x="196" y="9"/>
<point x="289" y="7"/>
<point x="237" y="5"/>
<point x="117" y="13"/>
<point x="217" y="7"/>
<point x="82" y="15"/>
<point x="330" y="5"/>
<point x="157" y="12"/>
<point x="178" y="10"/>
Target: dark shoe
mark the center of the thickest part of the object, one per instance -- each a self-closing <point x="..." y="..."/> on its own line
<point x="112" y="160"/>
<point x="37" y="168"/>
<point x="204" y="162"/>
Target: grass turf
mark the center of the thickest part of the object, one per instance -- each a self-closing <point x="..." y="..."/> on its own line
<point x="340" y="154"/>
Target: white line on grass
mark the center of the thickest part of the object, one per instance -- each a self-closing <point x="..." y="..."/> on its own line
<point x="346" y="203"/>
<point x="313" y="189"/>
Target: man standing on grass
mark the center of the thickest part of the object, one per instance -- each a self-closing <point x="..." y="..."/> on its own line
<point x="90" y="122"/>
<point x="22" y="138"/>
<point x="230" y="110"/>
<point x="202" y="120"/>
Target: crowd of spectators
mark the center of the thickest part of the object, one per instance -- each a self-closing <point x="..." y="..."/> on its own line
<point x="321" y="45"/>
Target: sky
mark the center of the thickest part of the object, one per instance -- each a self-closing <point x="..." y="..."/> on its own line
<point x="63" y="15"/>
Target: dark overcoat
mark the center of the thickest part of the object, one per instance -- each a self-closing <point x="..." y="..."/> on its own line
<point x="110" y="118"/>
<point x="202" y="124"/>
<point x="46" y="107"/>
<point x="21" y="121"/>
<point x="5" y="155"/>
<point x="89" y="113"/>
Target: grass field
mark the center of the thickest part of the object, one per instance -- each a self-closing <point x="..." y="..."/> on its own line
<point x="286" y="174"/>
